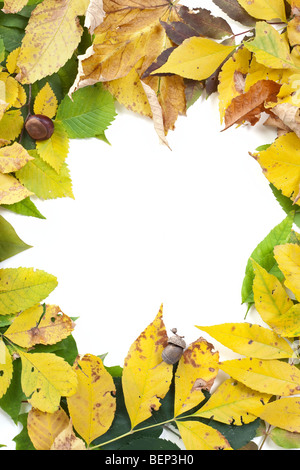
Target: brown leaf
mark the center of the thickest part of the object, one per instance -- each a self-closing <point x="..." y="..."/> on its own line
<point x="67" y="440"/>
<point x="249" y="106"/>
<point x="289" y="115"/>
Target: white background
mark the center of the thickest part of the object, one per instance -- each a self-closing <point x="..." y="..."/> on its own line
<point x="151" y="226"/>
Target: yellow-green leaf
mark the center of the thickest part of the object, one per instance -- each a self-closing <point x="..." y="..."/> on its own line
<point x="196" y="58"/>
<point x="250" y="340"/>
<point x="11" y="61"/>
<point x="6" y="368"/>
<point x="284" y="413"/>
<point x="265" y="9"/>
<point x="92" y="408"/>
<point x="288" y="259"/>
<point x="45" y="379"/>
<point x="44" y="427"/>
<point x="196" y="371"/>
<point x="45" y="102"/>
<point x="11" y="125"/>
<point x="22" y="288"/>
<point x="266" y="376"/>
<point x="199" y="436"/>
<point x="55" y="150"/>
<point x="52" y="35"/>
<point x="233" y="403"/>
<point x="146" y="378"/>
<point x="270" y="47"/>
<point x="40" y="325"/>
<point x="11" y="190"/>
<point x="13" y="157"/>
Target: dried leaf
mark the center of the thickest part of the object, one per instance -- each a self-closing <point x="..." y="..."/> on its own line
<point x="67" y="440"/>
<point x="13" y="157"/>
<point x="13" y="6"/>
<point x="12" y="190"/>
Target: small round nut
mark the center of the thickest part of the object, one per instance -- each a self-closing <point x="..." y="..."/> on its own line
<point x="39" y="127"/>
<point x="174" y="350"/>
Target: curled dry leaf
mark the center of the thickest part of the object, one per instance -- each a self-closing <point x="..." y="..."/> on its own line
<point x="67" y="440"/>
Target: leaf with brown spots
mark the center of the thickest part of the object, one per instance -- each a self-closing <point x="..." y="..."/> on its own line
<point x="197" y="370"/>
<point x="92" y="408"/>
<point x="43" y="428"/>
<point x="146" y="378"/>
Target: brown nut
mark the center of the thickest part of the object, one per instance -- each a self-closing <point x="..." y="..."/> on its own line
<point x="174" y="350"/>
<point x="39" y="127"/>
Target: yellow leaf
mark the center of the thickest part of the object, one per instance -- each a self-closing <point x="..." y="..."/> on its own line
<point x="281" y="164"/>
<point x="146" y="378"/>
<point x="196" y="58"/>
<point x="199" y="436"/>
<point x="288" y="259"/>
<point x="45" y="379"/>
<point x="13" y="6"/>
<point x="265" y="9"/>
<point x="22" y="288"/>
<point x="259" y="72"/>
<point x="67" y="440"/>
<point x="250" y="340"/>
<point x="231" y="78"/>
<point x="196" y="371"/>
<point x="92" y="408"/>
<point x="39" y="325"/>
<point x="52" y="34"/>
<point x="45" y="102"/>
<point x="55" y="150"/>
<point x="6" y="368"/>
<point x="233" y="403"/>
<point x="270" y="47"/>
<point x="44" y="427"/>
<point x="11" y="190"/>
<point x="11" y="125"/>
<point x="13" y="157"/>
<point x="21" y="98"/>
<point x="293" y="31"/>
<point x="266" y="376"/>
<point x="283" y="413"/>
<point x="11" y="61"/>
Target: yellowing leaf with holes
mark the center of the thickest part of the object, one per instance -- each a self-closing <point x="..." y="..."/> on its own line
<point x="52" y="34"/>
<point x="11" y="190"/>
<point x="13" y="6"/>
<point x="44" y="427"/>
<point x="41" y="324"/>
<point x="22" y="288"/>
<point x="13" y="157"/>
<point x="199" y="436"/>
<point x="45" y="379"/>
<point x="6" y="368"/>
<point x="92" y="408"/>
<point x="146" y="378"/>
<point x="270" y="47"/>
<point x="233" y="403"/>
<point x="250" y="340"/>
<point x="281" y="164"/>
<point x="196" y="58"/>
<point x="54" y="150"/>
<point x="273" y="304"/>
<point x="288" y="259"/>
<point x="266" y="376"/>
<point x="196" y="371"/>
<point x="283" y="413"/>
<point x="265" y="9"/>
<point x="45" y="102"/>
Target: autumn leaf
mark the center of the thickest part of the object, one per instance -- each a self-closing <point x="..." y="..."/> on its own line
<point x="92" y="408"/>
<point x="21" y="288"/>
<point x="266" y="376"/>
<point x="249" y="106"/>
<point x="67" y="440"/>
<point x="11" y="190"/>
<point x="196" y="371"/>
<point x="146" y="378"/>
<point x="6" y="368"/>
<point x="284" y="413"/>
<point x="45" y="102"/>
<point x="54" y="150"/>
<point x="288" y="259"/>
<point x="44" y="427"/>
<point x="265" y="9"/>
<point x="13" y="6"/>
<point x="41" y="324"/>
<point x="199" y="436"/>
<point x="52" y="35"/>
<point x="233" y="9"/>
<point x="250" y="340"/>
<point x="10" y="242"/>
<point x="13" y="157"/>
<point x="233" y="403"/>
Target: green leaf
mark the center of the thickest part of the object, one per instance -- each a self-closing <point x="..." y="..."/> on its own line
<point x="10" y="242"/>
<point x="12" y="400"/>
<point x="263" y="255"/>
<point x="150" y="443"/>
<point x="285" y="439"/>
<point x="286" y="203"/>
<point x="88" y="114"/>
<point x="24" y="207"/>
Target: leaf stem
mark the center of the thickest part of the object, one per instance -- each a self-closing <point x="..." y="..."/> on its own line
<point x="28" y="104"/>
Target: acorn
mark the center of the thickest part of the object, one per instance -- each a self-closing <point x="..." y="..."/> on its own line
<point x="39" y="127"/>
<point x="174" y="350"/>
